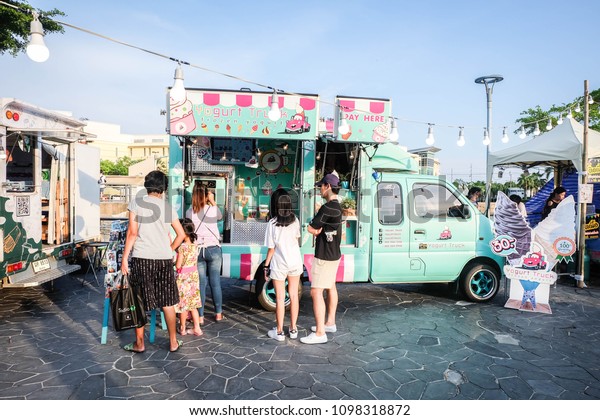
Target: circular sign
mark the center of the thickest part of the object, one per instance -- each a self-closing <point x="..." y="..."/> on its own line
<point x="271" y="161"/>
<point x="564" y="246"/>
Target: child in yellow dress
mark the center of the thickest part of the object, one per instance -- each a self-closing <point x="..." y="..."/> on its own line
<point x="188" y="280"/>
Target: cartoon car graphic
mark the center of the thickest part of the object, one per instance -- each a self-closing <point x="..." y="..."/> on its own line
<point x="534" y="261"/>
<point x="297" y="124"/>
<point x="446" y="234"/>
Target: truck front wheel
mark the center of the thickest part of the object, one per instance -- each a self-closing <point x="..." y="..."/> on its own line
<point x="480" y="282"/>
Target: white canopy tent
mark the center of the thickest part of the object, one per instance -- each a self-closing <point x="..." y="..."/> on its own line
<point x="559" y="147"/>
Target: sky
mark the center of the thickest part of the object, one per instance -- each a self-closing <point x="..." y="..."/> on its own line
<point x="424" y="56"/>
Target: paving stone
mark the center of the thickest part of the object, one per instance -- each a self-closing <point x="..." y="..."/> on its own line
<point x="485" y="349"/>
<point x="331" y="378"/>
<point x="291" y="393"/>
<point x="546" y="387"/>
<point x="212" y="383"/>
<point x="412" y="390"/>
<point x="90" y="388"/>
<point x="516" y="388"/>
<point x="236" y="386"/>
<point x="359" y="377"/>
<point x="382" y="380"/>
<point x="326" y="392"/>
<point x="378" y="365"/>
<point x="440" y="390"/>
<point x="298" y="380"/>
<point x="267" y="385"/>
<point x="354" y="391"/>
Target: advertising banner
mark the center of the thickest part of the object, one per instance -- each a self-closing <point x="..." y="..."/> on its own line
<point x="368" y="120"/>
<point x="244" y="114"/>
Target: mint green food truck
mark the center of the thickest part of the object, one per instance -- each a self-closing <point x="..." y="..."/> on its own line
<point x="398" y="226"/>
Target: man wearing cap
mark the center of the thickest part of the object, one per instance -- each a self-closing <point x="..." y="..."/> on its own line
<point x="327" y="228"/>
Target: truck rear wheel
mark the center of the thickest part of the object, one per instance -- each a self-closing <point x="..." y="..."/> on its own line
<point x="266" y="292"/>
<point x="480" y="282"/>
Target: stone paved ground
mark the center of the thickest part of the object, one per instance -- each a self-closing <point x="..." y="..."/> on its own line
<point x="393" y="342"/>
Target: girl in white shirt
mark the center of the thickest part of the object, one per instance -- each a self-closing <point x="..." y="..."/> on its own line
<point x="284" y="261"/>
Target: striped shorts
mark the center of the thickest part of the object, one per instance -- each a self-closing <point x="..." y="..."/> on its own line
<point x="156" y="279"/>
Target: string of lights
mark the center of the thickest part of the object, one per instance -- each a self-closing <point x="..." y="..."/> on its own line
<point x="38" y="52"/>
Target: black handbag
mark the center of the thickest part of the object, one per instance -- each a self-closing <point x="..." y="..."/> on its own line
<point x="127" y="306"/>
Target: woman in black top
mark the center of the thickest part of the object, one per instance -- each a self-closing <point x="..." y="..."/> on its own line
<point x="556" y="197"/>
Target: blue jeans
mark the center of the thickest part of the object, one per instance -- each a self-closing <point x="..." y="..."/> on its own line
<point x="209" y="269"/>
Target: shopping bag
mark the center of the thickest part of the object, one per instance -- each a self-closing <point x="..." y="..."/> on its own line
<point x="127" y="306"/>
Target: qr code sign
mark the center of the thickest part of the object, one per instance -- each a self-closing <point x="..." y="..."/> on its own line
<point x="23" y="206"/>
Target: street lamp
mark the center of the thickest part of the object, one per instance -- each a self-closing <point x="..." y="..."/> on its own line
<point x="488" y="82"/>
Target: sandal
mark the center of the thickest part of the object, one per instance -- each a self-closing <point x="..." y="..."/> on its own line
<point x="179" y="344"/>
<point x="130" y="347"/>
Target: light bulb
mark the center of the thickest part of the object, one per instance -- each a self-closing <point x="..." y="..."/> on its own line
<point x="430" y="140"/>
<point x="504" y="136"/>
<point x="274" y="113"/>
<point x="178" y="90"/>
<point x="486" y="137"/>
<point x="570" y="114"/>
<point x="285" y="146"/>
<point x="577" y="108"/>
<point x="549" y="125"/>
<point x="560" y="120"/>
<point x="522" y="134"/>
<point x="258" y="152"/>
<point x="394" y="131"/>
<point x="224" y="157"/>
<point x="2" y="153"/>
<point x="537" y="131"/>
<point x="591" y="101"/>
<point x="319" y="156"/>
<point x="343" y="128"/>
<point x="36" y="49"/>
<point x="461" y="138"/>
<point x="352" y="154"/>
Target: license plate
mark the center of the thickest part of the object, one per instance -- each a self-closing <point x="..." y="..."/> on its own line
<point x="41" y="265"/>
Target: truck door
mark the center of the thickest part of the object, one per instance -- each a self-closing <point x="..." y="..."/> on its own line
<point x="86" y="192"/>
<point x="390" y="260"/>
<point x="218" y="186"/>
<point x="443" y="230"/>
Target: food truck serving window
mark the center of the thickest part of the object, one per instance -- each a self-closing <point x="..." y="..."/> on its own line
<point x="389" y="203"/>
<point x="19" y="164"/>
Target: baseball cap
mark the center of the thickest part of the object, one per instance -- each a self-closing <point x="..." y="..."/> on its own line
<point x="329" y="179"/>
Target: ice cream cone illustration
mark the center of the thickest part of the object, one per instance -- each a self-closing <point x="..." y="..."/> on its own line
<point x="240" y="127"/>
<point x="10" y="240"/>
<point x="228" y="128"/>
<point x="254" y="128"/>
<point x="216" y="127"/>
<point x="266" y="131"/>
<point x="204" y="127"/>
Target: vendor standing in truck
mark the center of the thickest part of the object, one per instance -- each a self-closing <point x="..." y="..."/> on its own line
<point x="326" y="227"/>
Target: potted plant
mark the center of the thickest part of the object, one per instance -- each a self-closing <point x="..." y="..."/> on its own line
<point x="344" y="181"/>
<point x="348" y="206"/>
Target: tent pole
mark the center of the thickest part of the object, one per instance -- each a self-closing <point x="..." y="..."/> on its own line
<point x="582" y="205"/>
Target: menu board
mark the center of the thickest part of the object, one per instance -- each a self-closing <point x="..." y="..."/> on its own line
<point x="232" y="150"/>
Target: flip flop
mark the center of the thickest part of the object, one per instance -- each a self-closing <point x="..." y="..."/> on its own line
<point x="130" y="347"/>
<point x="179" y="344"/>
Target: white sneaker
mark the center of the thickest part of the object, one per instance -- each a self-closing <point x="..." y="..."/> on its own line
<point x="275" y="335"/>
<point x="313" y="338"/>
<point x="293" y="334"/>
<point x="328" y="328"/>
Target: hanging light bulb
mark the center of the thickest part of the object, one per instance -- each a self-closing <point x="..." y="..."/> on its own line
<point x="2" y="153"/>
<point x="274" y="113"/>
<point x="178" y="90"/>
<point x="430" y="140"/>
<point x="577" y="108"/>
<point x="505" y="136"/>
<point x="560" y="119"/>
<point x="522" y="134"/>
<point x="461" y="137"/>
<point x="224" y="157"/>
<point x="36" y="49"/>
<point x="319" y="156"/>
<point x="352" y="154"/>
<point x="549" y="125"/>
<point x="258" y="152"/>
<point x="343" y="126"/>
<point x="591" y="100"/>
<point x="394" y="130"/>
<point x="570" y="113"/>
<point x="537" y="131"/>
<point x="285" y="146"/>
<point x="486" y="137"/>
